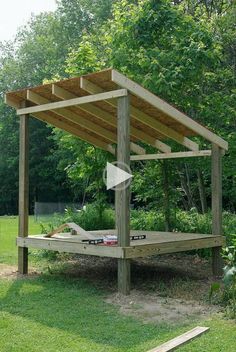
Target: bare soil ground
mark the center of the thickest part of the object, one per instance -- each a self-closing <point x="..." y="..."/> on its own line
<point x="10" y="272"/>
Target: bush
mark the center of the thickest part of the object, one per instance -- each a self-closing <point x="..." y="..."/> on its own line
<point x="229" y="254"/>
<point x="92" y="218"/>
<point x="188" y="222"/>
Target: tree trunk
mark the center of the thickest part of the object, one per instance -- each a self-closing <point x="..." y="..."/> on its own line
<point x="202" y="191"/>
<point x="166" y="189"/>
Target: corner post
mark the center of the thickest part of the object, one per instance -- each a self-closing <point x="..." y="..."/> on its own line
<point x="23" y="190"/>
<point x="123" y="193"/>
<point x="217" y="229"/>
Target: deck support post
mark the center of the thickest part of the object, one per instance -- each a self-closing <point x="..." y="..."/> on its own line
<point x="123" y="192"/>
<point x="217" y="229"/>
<point x="23" y="191"/>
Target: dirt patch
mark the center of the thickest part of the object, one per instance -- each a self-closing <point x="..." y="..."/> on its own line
<point x="10" y="272"/>
<point x="180" y="276"/>
<point x="151" y="308"/>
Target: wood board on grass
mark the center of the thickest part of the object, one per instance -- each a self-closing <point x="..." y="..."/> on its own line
<point x="180" y="340"/>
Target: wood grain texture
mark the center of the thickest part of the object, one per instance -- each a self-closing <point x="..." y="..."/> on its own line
<point x="217" y="228"/>
<point x="23" y="190"/>
<point x="123" y="193"/>
<point x="167" y="109"/>
<point x="72" y="102"/>
<point x="171" y="155"/>
<point x="180" y="340"/>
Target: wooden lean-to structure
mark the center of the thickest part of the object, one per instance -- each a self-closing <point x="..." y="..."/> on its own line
<point x="113" y="113"/>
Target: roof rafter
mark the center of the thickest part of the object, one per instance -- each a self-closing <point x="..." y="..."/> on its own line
<point x="145" y="119"/>
<point x="66" y="95"/>
<point x="167" y="109"/>
<point x="72" y="128"/>
<point x="94" y="89"/>
<point x="74" y="117"/>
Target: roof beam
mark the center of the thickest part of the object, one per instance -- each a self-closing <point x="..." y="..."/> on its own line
<point x="59" y="122"/>
<point x="73" y="102"/>
<point x="145" y="119"/>
<point x="74" y="117"/>
<point x="92" y="88"/>
<point x="65" y="95"/>
<point x="167" y="109"/>
<point x="170" y="155"/>
<point x="11" y="102"/>
<point x="72" y="128"/>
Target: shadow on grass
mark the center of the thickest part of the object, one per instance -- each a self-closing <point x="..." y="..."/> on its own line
<point x="76" y="307"/>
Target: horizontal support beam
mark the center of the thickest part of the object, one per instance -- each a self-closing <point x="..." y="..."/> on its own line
<point x="146" y="250"/>
<point x="69" y="247"/>
<point x="167" y="109"/>
<point x="73" y="102"/>
<point x="170" y="155"/>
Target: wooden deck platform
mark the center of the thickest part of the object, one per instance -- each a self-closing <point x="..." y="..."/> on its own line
<point x="155" y="243"/>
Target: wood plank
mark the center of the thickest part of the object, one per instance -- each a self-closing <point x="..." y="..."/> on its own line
<point x="167" y="109"/>
<point x="74" y="117"/>
<point x="11" y="102"/>
<point x="180" y="340"/>
<point x="69" y="247"/>
<point x="73" y="129"/>
<point x="217" y="227"/>
<point x="93" y="88"/>
<point x="73" y="102"/>
<point x="170" y="155"/>
<point x="97" y="112"/>
<point x="73" y="226"/>
<point x="123" y="193"/>
<point x="145" y="250"/>
<point x="23" y="190"/>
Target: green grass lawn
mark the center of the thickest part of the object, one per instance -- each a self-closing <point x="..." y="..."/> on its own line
<point x="8" y="234"/>
<point x="53" y="312"/>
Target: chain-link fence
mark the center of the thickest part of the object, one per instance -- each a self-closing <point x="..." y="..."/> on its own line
<point x="42" y="209"/>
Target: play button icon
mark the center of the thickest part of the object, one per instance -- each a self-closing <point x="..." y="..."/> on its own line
<point x="115" y="177"/>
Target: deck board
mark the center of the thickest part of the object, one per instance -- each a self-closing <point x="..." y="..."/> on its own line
<point x="155" y="243"/>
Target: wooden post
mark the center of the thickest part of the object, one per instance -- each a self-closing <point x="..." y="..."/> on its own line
<point x="23" y="191"/>
<point x="217" y="229"/>
<point x="123" y="194"/>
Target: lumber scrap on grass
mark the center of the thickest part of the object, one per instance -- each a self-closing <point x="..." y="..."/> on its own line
<point x="180" y="340"/>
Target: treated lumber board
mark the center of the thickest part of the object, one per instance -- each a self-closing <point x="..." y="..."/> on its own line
<point x="148" y="121"/>
<point x="73" y="129"/>
<point x="170" y="155"/>
<point x="167" y="109"/>
<point x="217" y="227"/>
<point x="122" y="202"/>
<point x="97" y="112"/>
<point x="73" y="226"/>
<point x="180" y="340"/>
<point x="11" y="102"/>
<point x="73" y="102"/>
<point x="55" y="244"/>
<point x="145" y="250"/>
<point x="74" y="117"/>
<point x="93" y="88"/>
<point x="23" y="190"/>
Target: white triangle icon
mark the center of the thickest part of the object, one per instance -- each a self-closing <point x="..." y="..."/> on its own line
<point x="116" y="176"/>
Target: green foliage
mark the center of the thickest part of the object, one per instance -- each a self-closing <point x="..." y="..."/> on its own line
<point x="92" y="218"/>
<point x="229" y="254"/>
